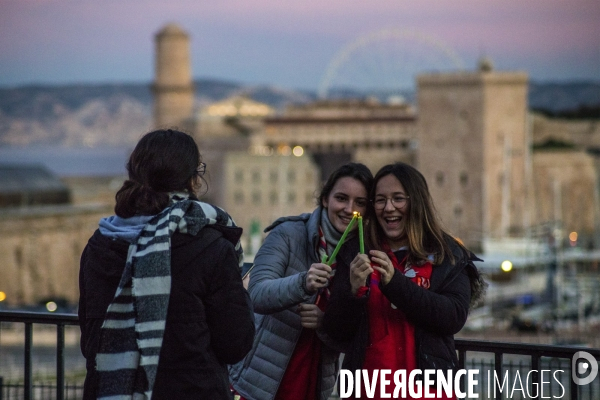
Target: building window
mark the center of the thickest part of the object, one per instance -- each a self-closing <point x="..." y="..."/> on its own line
<point x="239" y="176"/>
<point x="19" y="256"/>
<point x="439" y="178"/>
<point x="292" y="176"/>
<point x="309" y="176"/>
<point x="274" y="176"/>
<point x="464" y="178"/>
<point x="273" y="198"/>
<point x="256" y="197"/>
<point x="291" y="197"/>
<point x="458" y="211"/>
<point x="309" y="198"/>
<point x="256" y="176"/>
<point x="238" y="198"/>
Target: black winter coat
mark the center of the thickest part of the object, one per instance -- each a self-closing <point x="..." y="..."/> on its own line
<point x="209" y="323"/>
<point x="437" y="313"/>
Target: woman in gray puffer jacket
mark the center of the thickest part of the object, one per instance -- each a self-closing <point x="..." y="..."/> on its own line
<point x="290" y="358"/>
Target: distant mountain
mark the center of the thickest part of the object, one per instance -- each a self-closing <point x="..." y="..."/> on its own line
<point x="116" y="114"/>
<point x="557" y="98"/>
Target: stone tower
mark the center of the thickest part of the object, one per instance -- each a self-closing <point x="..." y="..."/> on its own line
<point x="474" y="152"/>
<point x="173" y="87"/>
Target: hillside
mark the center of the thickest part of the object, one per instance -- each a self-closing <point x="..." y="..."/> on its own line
<point x="116" y="114"/>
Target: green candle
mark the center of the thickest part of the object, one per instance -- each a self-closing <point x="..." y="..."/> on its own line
<point x="342" y="240"/>
<point x="361" y="237"/>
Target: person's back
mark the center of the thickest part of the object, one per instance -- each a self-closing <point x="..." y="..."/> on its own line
<point x="206" y="299"/>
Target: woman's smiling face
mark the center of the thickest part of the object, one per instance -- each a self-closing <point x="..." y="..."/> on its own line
<point x="346" y="196"/>
<point x="391" y="217"/>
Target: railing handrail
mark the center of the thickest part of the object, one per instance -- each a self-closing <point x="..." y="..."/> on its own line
<point x="39" y="317"/>
<point x="499" y="349"/>
<point x="547" y="350"/>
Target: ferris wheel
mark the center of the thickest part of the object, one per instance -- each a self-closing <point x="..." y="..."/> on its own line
<point x="386" y="63"/>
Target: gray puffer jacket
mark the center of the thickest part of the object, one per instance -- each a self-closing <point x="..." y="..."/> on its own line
<point x="276" y="288"/>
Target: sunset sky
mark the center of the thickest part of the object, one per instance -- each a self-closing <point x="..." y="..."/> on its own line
<point x="286" y="43"/>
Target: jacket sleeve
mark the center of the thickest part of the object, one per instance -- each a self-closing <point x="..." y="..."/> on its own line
<point x="271" y="289"/>
<point x="81" y="310"/>
<point x="229" y="311"/>
<point x="344" y="312"/>
<point x="444" y="312"/>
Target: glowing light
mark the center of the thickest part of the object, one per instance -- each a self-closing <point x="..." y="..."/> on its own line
<point x="51" y="306"/>
<point x="284" y="150"/>
<point x="298" y="151"/>
<point x="573" y="236"/>
<point x="506" y="266"/>
<point x="2" y="296"/>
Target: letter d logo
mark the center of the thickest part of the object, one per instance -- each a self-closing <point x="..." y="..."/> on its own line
<point x="580" y="367"/>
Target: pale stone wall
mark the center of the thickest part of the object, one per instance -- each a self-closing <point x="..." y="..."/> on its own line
<point x="264" y="188"/>
<point x="506" y="153"/>
<point x="173" y="87"/>
<point x="451" y="156"/>
<point x="566" y="190"/>
<point x="40" y="250"/>
<point x="99" y="190"/>
<point x="581" y="133"/>
<point x="472" y="151"/>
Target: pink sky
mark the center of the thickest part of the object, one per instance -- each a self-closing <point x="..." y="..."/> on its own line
<point x="283" y="42"/>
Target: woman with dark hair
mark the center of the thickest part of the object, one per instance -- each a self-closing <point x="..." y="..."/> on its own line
<point x="400" y="304"/>
<point x="290" y="358"/>
<point x="160" y="284"/>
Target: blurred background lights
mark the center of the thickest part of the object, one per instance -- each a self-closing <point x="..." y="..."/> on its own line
<point x="2" y="296"/>
<point x="51" y="306"/>
<point x="298" y="151"/>
<point x="573" y="239"/>
<point x="506" y="266"/>
<point x="284" y="150"/>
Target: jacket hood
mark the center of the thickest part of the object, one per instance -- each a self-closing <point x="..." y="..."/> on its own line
<point x="127" y="229"/>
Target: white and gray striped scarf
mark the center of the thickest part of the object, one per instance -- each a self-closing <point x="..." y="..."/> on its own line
<point x="132" y="333"/>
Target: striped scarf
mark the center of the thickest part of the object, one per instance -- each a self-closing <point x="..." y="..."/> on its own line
<point x="132" y="333"/>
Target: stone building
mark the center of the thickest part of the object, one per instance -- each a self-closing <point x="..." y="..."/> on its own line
<point x="259" y="187"/>
<point x="474" y="151"/>
<point x="339" y="131"/>
<point x="43" y="234"/>
<point x="173" y="87"/>
<point x="492" y="166"/>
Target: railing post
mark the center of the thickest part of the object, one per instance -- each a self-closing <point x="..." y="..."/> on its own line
<point x="462" y="357"/>
<point x="27" y="384"/>
<point x="574" y="388"/>
<point x="498" y="369"/>
<point x="1" y="387"/>
<point x="60" y="361"/>
<point x="537" y="376"/>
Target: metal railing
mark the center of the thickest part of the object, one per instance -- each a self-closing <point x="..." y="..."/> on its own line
<point x="30" y="318"/>
<point x="539" y="356"/>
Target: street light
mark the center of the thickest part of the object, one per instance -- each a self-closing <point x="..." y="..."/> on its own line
<point x="506" y="266"/>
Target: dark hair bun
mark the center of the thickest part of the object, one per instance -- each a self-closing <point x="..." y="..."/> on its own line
<point x="135" y="198"/>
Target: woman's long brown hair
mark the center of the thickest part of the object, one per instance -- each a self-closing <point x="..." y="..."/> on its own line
<point x="423" y="227"/>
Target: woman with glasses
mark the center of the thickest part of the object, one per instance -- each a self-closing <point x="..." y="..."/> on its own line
<point x="290" y="358"/>
<point x="160" y="285"/>
<point x="400" y="304"/>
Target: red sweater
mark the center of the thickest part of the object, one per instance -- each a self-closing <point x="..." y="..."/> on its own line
<point x="392" y="336"/>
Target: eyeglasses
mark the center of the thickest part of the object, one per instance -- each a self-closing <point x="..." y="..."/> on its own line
<point x="397" y="201"/>
<point x="201" y="169"/>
